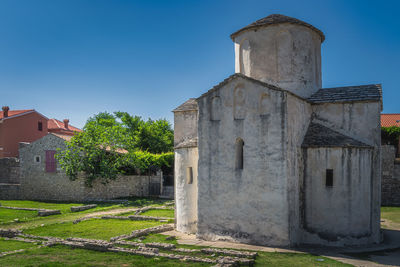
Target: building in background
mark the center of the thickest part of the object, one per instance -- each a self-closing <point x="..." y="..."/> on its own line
<point x="61" y="127"/>
<point x="19" y="126"/>
<point x="27" y="125"/>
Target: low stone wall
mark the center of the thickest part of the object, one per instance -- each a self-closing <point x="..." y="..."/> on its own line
<point x="390" y="177"/>
<point x="10" y="191"/>
<point x="9" y="171"/>
<point x="57" y="186"/>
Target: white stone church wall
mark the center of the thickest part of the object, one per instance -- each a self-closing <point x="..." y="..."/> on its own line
<point x="248" y="205"/>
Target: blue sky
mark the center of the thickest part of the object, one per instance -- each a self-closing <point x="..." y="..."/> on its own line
<point x="72" y="59"/>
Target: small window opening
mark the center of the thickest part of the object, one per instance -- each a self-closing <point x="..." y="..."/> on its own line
<point x="329" y="178"/>
<point x="40" y="126"/>
<point x="37" y="159"/>
<point x="189" y="175"/>
<point x="239" y="154"/>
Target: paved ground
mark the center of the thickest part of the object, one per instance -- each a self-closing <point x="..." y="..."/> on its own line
<point x="386" y="254"/>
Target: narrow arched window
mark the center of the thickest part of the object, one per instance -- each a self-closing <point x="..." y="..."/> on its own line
<point x="239" y="153"/>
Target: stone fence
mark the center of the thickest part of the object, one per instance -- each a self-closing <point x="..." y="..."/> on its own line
<point x="390" y="177"/>
<point x="9" y="171"/>
<point x="58" y="186"/>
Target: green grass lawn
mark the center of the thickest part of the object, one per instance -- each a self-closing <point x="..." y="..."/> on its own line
<point x="28" y="219"/>
<point x="65" y="256"/>
<point x="391" y="213"/>
<point x="93" y="229"/>
<point x="63" y="207"/>
<point x="60" y="256"/>
<point x="8" y="215"/>
<point x="10" y="245"/>
<point x="170" y="213"/>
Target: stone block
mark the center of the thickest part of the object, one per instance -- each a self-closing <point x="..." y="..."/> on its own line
<point x="43" y="213"/>
<point x="82" y="208"/>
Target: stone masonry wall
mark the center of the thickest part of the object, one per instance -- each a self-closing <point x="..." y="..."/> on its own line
<point x="9" y="171"/>
<point x="390" y="177"/>
<point x="9" y="178"/>
<point x="37" y="184"/>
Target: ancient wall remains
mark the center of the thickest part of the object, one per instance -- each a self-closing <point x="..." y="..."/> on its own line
<point x="390" y="177"/>
<point x="9" y="171"/>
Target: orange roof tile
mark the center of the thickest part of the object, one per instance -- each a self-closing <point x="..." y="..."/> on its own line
<point x="14" y="112"/>
<point x="54" y="124"/>
<point x="62" y="136"/>
<point x="388" y="120"/>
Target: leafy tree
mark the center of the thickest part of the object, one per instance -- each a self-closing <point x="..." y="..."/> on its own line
<point x="118" y="143"/>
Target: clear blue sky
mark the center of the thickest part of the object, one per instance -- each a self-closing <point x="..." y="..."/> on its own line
<point x="72" y="59"/>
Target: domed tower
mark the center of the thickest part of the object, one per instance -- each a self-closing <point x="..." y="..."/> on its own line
<point x="282" y="51"/>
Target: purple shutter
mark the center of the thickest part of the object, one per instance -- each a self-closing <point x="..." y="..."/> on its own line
<point x="50" y="161"/>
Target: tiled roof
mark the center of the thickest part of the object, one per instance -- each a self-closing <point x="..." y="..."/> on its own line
<point x="278" y="19"/>
<point x="388" y="120"/>
<point x="240" y="75"/>
<point x="54" y="124"/>
<point x="370" y="92"/>
<point x="63" y="136"/>
<point x="190" y="104"/>
<point x="321" y="136"/>
<point x="15" y="112"/>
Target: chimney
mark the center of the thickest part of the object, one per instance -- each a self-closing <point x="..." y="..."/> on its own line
<point x="66" y="121"/>
<point x="5" y="111"/>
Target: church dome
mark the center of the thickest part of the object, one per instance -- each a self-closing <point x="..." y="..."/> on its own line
<point x="277" y="19"/>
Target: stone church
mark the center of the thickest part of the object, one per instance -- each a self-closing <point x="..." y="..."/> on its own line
<point x="269" y="157"/>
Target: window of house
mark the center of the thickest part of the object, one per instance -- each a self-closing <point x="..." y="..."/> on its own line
<point x="329" y="178"/>
<point x="40" y="126"/>
<point x="189" y="175"/>
<point x="239" y="154"/>
<point x="37" y="159"/>
<point x="50" y="161"/>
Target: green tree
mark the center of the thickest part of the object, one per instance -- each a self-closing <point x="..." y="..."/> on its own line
<point x="118" y="143"/>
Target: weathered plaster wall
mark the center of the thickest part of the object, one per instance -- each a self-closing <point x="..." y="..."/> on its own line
<point x="248" y="205"/>
<point x="390" y="177"/>
<point x="185" y="126"/>
<point x="341" y="214"/>
<point x="38" y="184"/>
<point x="360" y="120"/>
<point x="285" y="55"/>
<point x="185" y="192"/>
<point x="298" y="119"/>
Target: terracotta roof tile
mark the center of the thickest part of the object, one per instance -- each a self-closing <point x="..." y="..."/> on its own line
<point x="388" y="120"/>
<point x="14" y="112"/>
<point x="54" y="124"/>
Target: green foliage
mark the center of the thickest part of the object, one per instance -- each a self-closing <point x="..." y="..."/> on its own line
<point x="390" y="135"/>
<point x="117" y="144"/>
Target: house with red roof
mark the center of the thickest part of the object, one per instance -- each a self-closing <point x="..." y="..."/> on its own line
<point x="388" y="120"/>
<point x="61" y="127"/>
<point x="27" y="125"/>
<point x="17" y="126"/>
